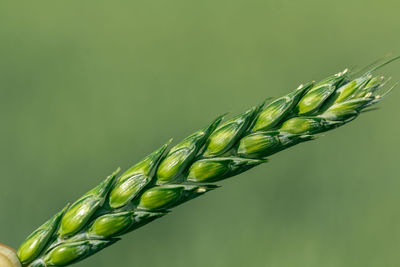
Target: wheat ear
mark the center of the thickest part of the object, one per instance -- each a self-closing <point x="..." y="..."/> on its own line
<point x="169" y="177"/>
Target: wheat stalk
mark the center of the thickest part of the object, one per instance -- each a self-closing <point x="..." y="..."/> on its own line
<point x="167" y="178"/>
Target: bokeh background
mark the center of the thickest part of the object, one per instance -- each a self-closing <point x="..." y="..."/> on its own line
<point x="87" y="86"/>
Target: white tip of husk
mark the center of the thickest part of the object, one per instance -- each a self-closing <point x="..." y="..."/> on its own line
<point x="8" y="257"/>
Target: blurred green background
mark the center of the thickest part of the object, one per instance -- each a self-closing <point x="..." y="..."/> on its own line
<point x="87" y="86"/>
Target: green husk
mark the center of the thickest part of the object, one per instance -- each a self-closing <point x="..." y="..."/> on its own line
<point x="79" y="213"/>
<point x="35" y="242"/>
<point x="135" y="179"/>
<point x="179" y="157"/>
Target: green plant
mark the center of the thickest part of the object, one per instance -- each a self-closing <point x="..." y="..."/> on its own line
<point x="169" y="177"/>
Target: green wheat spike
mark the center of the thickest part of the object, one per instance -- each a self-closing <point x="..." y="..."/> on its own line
<point x="167" y="178"/>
